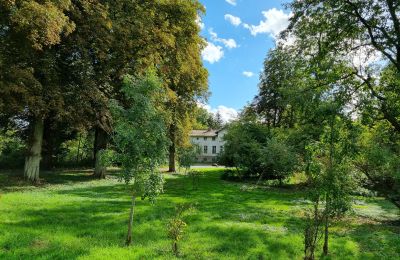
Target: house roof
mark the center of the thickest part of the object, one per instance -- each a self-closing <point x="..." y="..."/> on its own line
<point x="204" y="133"/>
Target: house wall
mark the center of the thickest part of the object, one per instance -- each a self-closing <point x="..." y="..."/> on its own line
<point x="209" y="142"/>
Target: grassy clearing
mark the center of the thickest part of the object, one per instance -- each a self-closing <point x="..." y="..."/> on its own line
<point x="75" y="217"/>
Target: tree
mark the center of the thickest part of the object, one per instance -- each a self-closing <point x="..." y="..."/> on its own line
<point x="140" y="138"/>
<point x="28" y="83"/>
<point x="277" y="159"/>
<point x="207" y="120"/>
<point x="366" y="30"/>
<point x="243" y="146"/>
<point x="365" y="34"/>
<point x="187" y="156"/>
<point x="183" y="72"/>
<point x="378" y="159"/>
<point x="328" y="169"/>
<point x="61" y="51"/>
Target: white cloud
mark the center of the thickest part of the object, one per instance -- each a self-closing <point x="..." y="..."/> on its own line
<point x="275" y="21"/>
<point x="233" y="19"/>
<point x="212" y="53"/>
<point x="231" y="2"/>
<point x="363" y="56"/>
<point x="200" y="23"/>
<point x="227" y="113"/>
<point x="229" y="43"/>
<point x="248" y="74"/>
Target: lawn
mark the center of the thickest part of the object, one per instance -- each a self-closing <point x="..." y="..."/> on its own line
<point x="76" y="217"/>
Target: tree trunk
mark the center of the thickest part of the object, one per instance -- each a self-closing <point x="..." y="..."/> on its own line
<point x="172" y="149"/>
<point x="48" y="146"/>
<point x="326" y="235"/>
<point x="175" y="248"/>
<point x="100" y="143"/>
<point x="130" y="223"/>
<point x="32" y="159"/>
<point x="172" y="166"/>
<point x="79" y="147"/>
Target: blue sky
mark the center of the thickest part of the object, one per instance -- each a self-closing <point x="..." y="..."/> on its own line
<point x="239" y="34"/>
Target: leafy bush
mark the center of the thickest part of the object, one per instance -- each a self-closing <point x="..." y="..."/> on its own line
<point x="187" y="156"/>
<point x="256" y="153"/>
<point x="12" y="149"/>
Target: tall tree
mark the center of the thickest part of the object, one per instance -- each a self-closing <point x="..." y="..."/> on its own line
<point x="29" y="83"/>
<point x="362" y="30"/>
<point x="183" y="72"/>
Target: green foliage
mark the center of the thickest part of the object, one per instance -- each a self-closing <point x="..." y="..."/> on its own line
<point x="58" y="52"/>
<point x="206" y="120"/>
<point x="187" y="156"/>
<point x="252" y="148"/>
<point x="77" y="151"/>
<point x="195" y="176"/>
<point x="139" y="134"/>
<point x="176" y="226"/>
<point x="279" y="158"/>
<point x="12" y="149"/>
<point x="243" y="144"/>
<point x="378" y="159"/>
<point x="153" y="186"/>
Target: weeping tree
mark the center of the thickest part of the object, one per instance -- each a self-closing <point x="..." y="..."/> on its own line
<point x="139" y="138"/>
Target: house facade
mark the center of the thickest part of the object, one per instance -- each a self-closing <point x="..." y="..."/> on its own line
<point x="210" y="143"/>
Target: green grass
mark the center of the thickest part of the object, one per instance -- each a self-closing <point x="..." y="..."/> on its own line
<point x="75" y="217"/>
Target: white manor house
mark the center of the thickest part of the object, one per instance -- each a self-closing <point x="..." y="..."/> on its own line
<point x="210" y="143"/>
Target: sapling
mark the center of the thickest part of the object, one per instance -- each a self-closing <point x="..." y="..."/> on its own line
<point x="176" y="226"/>
<point x="328" y="169"/>
<point x="195" y="176"/>
<point x="187" y="156"/>
<point x="140" y="140"/>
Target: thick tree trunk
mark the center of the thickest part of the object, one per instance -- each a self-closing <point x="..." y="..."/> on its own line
<point x="130" y="223"/>
<point x="100" y="143"/>
<point x="172" y="166"/>
<point x="172" y="149"/>
<point x="32" y="159"/>
<point x="48" y="146"/>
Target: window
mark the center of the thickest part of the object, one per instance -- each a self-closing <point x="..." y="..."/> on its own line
<point x="213" y="138"/>
<point x="221" y="149"/>
<point x="205" y="138"/>
<point x="214" y="149"/>
<point x="205" y="149"/>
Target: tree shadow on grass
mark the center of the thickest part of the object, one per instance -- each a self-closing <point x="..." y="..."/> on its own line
<point x="379" y="240"/>
<point x="79" y="226"/>
<point x="12" y="180"/>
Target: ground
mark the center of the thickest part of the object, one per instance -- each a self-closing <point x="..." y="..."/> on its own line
<point x="75" y="217"/>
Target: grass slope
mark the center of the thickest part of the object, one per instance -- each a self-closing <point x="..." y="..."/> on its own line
<point x="75" y="217"/>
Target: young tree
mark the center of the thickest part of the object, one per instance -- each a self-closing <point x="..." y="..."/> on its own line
<point x="329" y="172"/>
<point x="187" y="156"/>
<point x="140" y="138"/>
